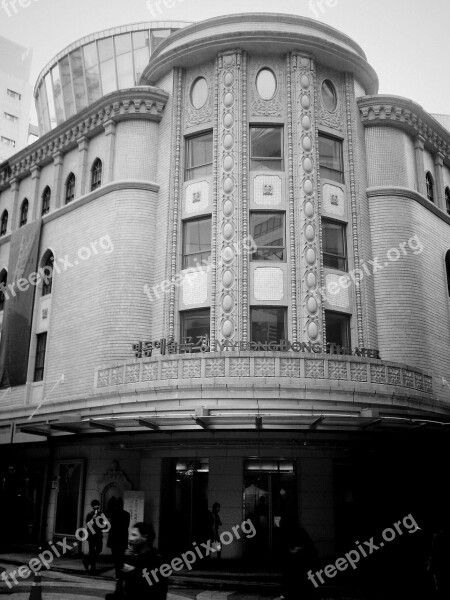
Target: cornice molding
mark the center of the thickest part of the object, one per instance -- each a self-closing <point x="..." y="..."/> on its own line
<point x="401" y="192"/>
<point x="400" y="112"/>
<point x="144" y="102"/>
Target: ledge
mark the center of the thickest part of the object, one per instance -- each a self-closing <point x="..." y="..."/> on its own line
<point x="382" y="110"/>
<point x="401" y="192"/>
<point x="144" y="102"/>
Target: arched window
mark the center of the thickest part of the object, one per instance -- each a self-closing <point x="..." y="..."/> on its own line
<point x="23" y="213"/>
<point x="4" y="223"/>
<point x="3" y="278"/>
<point x="447" y="268"/>
<point x="430" y="186"/>
<point x="70" y="188"/>
<point x="47" y="270"/>
<point x="447" y="199"/>
<point x="96" y="174"/>
<point x="46" y="195"/>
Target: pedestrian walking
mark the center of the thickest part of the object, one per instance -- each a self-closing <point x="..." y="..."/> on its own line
<point x="300" y="557"/>
<point x="118" y="534"/>
<point x="95" y="538"/>
<point x="136" y="581"/>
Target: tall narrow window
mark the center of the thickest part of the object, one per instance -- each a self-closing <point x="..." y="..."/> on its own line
<point x="23" y="213"/>
<point x="70" y="188"/>
<point x="430" y="186"/>
<point x="46" y="195"/>
<point x="199" y="156"/>
<point x="338" y="328"/>
<point x="196" y="242"/>
<point x="447" y="268"/>
<point x="447" y="199"/>
<point x="334" y="245"/>
<point x="331" y="160"/>
<point x="48" y="274"/>
<point x="41" y="343"/>
<point x="268" y="232"/>
<point x="3" y="278"/>
<point x="4" y="223"/>
<point x="96" y="175"/>
<point x="266" y="148"/>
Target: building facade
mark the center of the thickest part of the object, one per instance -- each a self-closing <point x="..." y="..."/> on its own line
<point x="15" y="97"/>
<point x="227" y="281"/>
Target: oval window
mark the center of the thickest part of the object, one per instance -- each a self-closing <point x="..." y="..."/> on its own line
<point x="199" y="92"/>
<point x="329" y="96"/>
<point x="266" y="84"/>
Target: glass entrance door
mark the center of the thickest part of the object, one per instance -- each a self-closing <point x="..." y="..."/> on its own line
<point x="269" y="502"/>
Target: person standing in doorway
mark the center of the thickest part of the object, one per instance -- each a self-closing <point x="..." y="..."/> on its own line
<point x="95" y="538"/>
<point x="118" y="534"/>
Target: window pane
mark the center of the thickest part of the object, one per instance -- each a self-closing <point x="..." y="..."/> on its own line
<point x="140" y="39"/>
<point x="92" y="72"/>
<point x="338" y="329"/>
<point x="125" y="70"/>
<point x="57" y="95"/>
<point x="108" y="70"/>
<point x="195" y="324"/>
<point x="199" y="156"/>
<point x="78" y="79"/>
<point x="268" y="324"/>
<point x="50" y="100"/>
<point x="158" y="36"/>
<point x="334" y="246"/>
<point x="266" y="142"/>
<point x="331" y="163"/>
<point x="267" y="229"/>
<point x="105" y="49"/>
<point x="141" y="59"/>
<point x="40" y="357"/>
<point x="122" y="43"/>
<point x="69" y="103"/>
<point x="196" y="242"/>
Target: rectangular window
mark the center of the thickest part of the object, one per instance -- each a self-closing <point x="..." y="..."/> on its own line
<point x="196" y="242"/>
<point x="199" y="156"/>
<point x="41" y="342"/>
<point x="195" y="325"/>
<point x="268" y="232"/>
<point x="268" y="324"/>
<point x="10" y="117"/>
<point x="8" y="141"/>
<point x="266" y="148"/>
<point x="338" y="328"/>
<point x="331" y="158"/>
<point x="334" y="245"/>
<point x="13" y="94"/>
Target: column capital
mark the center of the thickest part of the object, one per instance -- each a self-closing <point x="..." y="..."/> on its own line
<point x="83" y="143"/>
<point x="58" y="158"/>
<point x="110" y="127"/>
<point x="439" y="159"/>
<point x="35" y="172"/>
<point x="14" y="183"/>
<point x="419" y="142"/>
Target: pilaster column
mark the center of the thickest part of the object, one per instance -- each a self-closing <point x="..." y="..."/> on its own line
<point x="14" y="183"/>
<point x="58" y="160"/>
<point x="439" y="177"/>
<point x="83" y="146"/>
<point x="110" y="133"/>
<point x="35" y="177"/>
<point x="420" y="165"/>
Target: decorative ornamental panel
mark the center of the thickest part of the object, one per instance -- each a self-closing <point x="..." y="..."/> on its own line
<point x="215" y="367"/>
<point x="103" y="378"/>
<point x="192" y="369"/>
<point x="149" y="371"/>
<point x="117" y="376"/>
<point x="266" y="108"/>
<point x="358" y="371"/>
<point x="267" y="190"/>
<point x="315" y="369"/>
<point x="194" y="116"/>
<point x="408" y="378"/>
<point x="196" y="197"/>
<point x="239" y="367"/>
<point x="333" y="119"/>
<point x="378" y="374"/>
<point x="169" y="370"/>
<point x="195" y="288"/>
<point x="333" y="200"/>
<point x="289" y="367"/>
<point x="264" y="367"/>
<point x="337" y="369"/>
<point x="394" y="376"/>
<point x="268" y="283"/>
<point x="132" y="373"/>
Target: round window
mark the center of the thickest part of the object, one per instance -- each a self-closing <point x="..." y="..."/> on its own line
<point x="329" y="96"/>
<point x="199" y="92"/>
<point x="266" y="84"/>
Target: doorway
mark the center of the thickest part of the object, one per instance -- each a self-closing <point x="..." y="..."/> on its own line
<point x="270" y="500"/>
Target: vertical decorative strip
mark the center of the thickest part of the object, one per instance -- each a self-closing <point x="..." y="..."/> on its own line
<point x="175" y="204"/>
<point x="309" y="209"/>
<point x="351" y="116"/>
<point x="227" y="319"/>
<point x="244" y="202"/>
<point x="292" y="227"/>
<point x="214" y="216"/>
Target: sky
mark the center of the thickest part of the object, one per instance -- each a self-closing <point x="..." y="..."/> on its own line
<point x="405" y="41"/>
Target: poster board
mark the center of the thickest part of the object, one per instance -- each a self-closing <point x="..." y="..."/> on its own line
<point x="133" y="502"/>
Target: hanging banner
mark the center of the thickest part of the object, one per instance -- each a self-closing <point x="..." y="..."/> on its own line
<point x="18" y="308"/>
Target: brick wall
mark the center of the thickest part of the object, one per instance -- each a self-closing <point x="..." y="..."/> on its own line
<point x="391" y="157"/>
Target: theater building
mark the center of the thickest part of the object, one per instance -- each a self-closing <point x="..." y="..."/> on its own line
<point x="249" y="299"/>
